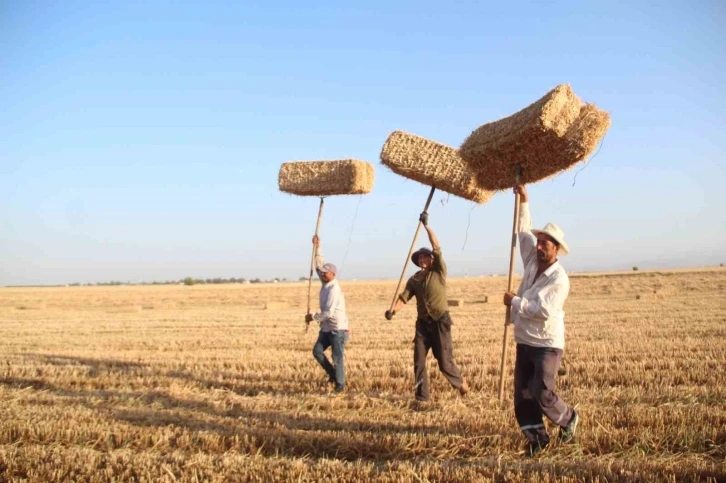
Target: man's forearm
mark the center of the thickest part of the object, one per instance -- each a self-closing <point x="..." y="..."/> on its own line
<point x="432" y="237"/>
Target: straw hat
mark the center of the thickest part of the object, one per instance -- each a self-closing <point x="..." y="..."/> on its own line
<point x="556" y="233"/>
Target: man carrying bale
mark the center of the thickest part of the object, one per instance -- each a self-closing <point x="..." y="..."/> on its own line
<point x="539" y="329"/>
<point x="332" y="319"/>
<point x="433" y="323"/>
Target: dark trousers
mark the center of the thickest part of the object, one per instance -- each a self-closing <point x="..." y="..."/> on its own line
<point x="335" y="339"/>
<point x="434" y="335"/>
<point x="534" y="391"/>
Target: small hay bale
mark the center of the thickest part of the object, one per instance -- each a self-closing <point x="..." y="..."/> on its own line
<point x="276" y="305"/>
<point x="325" y="178"/>
<point x="455" y="302"/>
<point x="31" y="306"/>
<point x="432" y="164"/>
<point x="124" y="309"/>
<point x="544" y="138"/>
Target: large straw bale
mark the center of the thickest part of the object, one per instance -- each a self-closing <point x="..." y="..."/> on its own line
<point x="544" y="138"/>
<point x="432" y="164"/>
<point x="325" y="178"/>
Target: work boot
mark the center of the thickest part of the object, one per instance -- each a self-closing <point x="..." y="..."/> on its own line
<point x="567" y="434"/>
<point x="464" y="389"/>
<point x="536" y="442"/>
<point x="535" y="448"/>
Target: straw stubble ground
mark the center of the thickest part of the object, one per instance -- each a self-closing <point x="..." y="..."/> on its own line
<point x="203" y="384"/>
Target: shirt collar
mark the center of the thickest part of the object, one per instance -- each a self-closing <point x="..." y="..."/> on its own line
<point x="551" y="268"/>
<point x="331" y="283"/>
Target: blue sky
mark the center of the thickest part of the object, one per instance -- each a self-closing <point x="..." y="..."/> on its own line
<point x="142" y="140"/>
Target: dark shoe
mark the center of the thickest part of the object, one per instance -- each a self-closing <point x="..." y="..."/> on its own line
<point x="339" y="388"/>
<point x="464" y="389"/>
<point x="535" y="448"/>
<point x="537" y="441"/>
<point x="567" y="434"/>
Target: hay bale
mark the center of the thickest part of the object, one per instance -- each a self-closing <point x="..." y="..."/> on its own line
<point x="544" y="138"/>
<point x="124" y="309"/>
<point x="455" y="302"/>
<point x="276" y="305"/>
<point x="325" y="178"/>
<point x="432" y="164"/>
<point x="31" y="306"/>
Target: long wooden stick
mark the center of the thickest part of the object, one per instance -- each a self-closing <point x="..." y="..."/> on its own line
<point x="312" y="261"/>
<point x="410" y="252"/>
<point x="507" y="318"/>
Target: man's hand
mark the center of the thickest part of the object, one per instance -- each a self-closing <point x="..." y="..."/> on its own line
<point x="508" y="298"/>
<point x="390" y="314"/>
<point x="316" y="241"/>
<point x="522" y="191"/>
<point x="308" y="318"/>
<point x="424" y="218"/>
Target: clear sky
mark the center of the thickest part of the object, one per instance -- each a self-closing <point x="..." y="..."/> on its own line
<point x="142" y="140"/>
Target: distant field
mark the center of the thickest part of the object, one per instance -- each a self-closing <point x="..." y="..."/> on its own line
<point x="202" y="383"/>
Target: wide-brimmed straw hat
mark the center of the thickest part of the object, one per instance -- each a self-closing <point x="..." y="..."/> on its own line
<point x="420" y="251"/>
<point x="556" y="233"/>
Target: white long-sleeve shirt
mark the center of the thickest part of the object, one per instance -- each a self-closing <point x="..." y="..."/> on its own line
<point x="537" y="310"/>
<point x="332" y="315"/>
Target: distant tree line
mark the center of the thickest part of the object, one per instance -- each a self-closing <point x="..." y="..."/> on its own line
<point x="186" y="281"/>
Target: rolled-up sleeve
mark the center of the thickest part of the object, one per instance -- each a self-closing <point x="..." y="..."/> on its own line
<point x="319" y="262"/>
<point x="439" y="264"/>
<point x="527" y="240"/>
<point x="407" y="293"/>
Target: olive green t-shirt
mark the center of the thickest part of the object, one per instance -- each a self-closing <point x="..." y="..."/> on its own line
<point x="429" y="288"/>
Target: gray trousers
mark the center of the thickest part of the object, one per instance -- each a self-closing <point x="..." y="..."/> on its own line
<point x="434" y="335"/>
<point x="534" y="391"/>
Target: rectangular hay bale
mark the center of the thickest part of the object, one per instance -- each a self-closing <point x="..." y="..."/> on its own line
<point x="544" y="138"/>
<point x="455" y="302"/>
<point x="325" y="178"/>
<point x="432" y="164"/>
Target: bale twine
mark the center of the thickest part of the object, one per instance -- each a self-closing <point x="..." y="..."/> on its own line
<point x="455" y="302"/>
<point x="544" y="138"/>
<point x="325" y="178"/>
<point x="432" y="164"/>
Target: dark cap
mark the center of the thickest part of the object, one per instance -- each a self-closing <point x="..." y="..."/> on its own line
<point x="420" y="251"/>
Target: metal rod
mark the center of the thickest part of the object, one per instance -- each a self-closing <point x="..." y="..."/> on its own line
<point x="410" y="252"/>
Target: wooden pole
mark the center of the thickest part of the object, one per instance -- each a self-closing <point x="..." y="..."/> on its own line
<point x="512" y="255"/>
<point x="312" y="261"/>
<point x="410" y="252"/>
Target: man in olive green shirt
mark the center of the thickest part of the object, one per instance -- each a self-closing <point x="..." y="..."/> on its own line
<point x="433" y="324"/>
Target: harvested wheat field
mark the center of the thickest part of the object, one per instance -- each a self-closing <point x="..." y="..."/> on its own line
<point x="218" y="383"/>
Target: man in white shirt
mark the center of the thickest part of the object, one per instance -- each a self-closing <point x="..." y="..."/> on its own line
<point x="539" y="330"/>
<point x="332" y="319"/>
